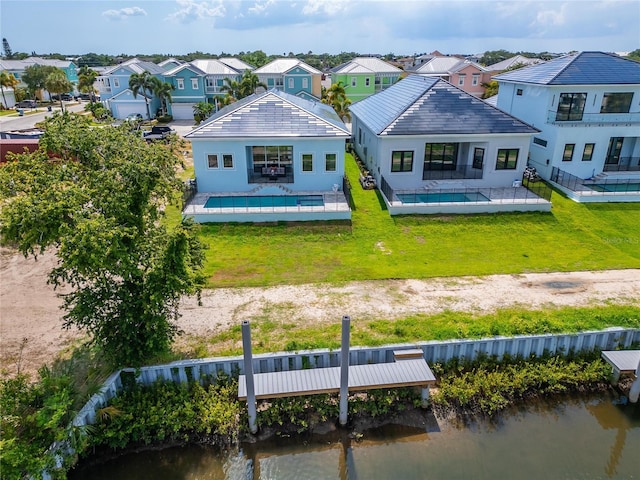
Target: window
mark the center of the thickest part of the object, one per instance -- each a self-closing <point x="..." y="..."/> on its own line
<point x="180" y="83"/>
<point x="305" y="82"/>
<point x="307" y="162"/>
<point x="571" y="107"/>
<point x="271" y="156"/>
<point x="279" y="82"/>
<point x="290" y="82"/>
<point x="539" y="141"/>
<point x="330" y="161"/>
<point x="616" y="102"/>
<point x="519" y="92"/>
<point x="475" y="79"/>
<point x="367" y="82"/>
<point x="507" y="159"/>
<point x="194" y="83"/>
<point x="402" y="161"/>
<point x="440" y="156"/>
<point x="227" y="160"/>
<point x="116" y="83"/>
<point x="587" y="153"/>
<point x="461" y="78"/>
<point x="359" y="136"/>
<point x="478" y="158"/>
<point x="212" y="161"/>
<point x="270" y="82"/>
<point x="567" y="155"/>
<point x="353" y="81"/>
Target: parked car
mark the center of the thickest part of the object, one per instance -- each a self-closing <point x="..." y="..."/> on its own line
<point x="134" y="117"/>
<point x="158" y="132"/>
<point x="27" y="104"/>
<point x="65" y="96"/>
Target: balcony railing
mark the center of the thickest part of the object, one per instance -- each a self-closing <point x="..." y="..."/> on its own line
<point x="212" y="89"/>
<point x="600" y="187"/>
<point x="460" y="173"/>
<point x="261" y="175"/>
<point x="596" y="118"/>
<point x="625" y="164"/>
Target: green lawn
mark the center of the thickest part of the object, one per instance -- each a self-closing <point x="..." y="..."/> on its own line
<point x="377" y="246"/>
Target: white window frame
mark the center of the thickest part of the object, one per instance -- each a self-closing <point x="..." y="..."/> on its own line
<point x="305" y="82"/>
<point x="116" y="82"/>
<point x="194" y="83"/>
<point x="302" y="155"/>
<point x="475" y="79"/>
<point x="180" y="83"/>
<point x="290" y="82"/>
<point x="367" y="81"/>
<point x="209" y="167"/>
<point x="461" y="79"/>
<point x="325" y="162"/>
<point x="354" y="81"/>
<point x="233" y="164"/>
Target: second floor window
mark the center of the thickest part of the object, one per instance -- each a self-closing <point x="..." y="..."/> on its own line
<point x="290" y="82"/>
<point x="116" y="83"/>
<point x="305" y="83"/>
<point x="475" y="79"/>
<point x="367" y="81"/>
<point x="180" y="82"/>
<point x="616" y="102"/>
<point x="353" y="82"/>
<point x="461" y="78"/>
<point x="571" y="107"/>
<point x="587" y="154"/>
<point x="194" y="83"/>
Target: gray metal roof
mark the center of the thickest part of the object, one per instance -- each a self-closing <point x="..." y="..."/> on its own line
<point x="236" y="64"/>
<point x="272" y="114"/>
<point x="212" y="66"/>
<point x="283" y="65"/>
<point x="584" y="68"/>
<point x="421" y="105"/>
<point x="366" y="65"/>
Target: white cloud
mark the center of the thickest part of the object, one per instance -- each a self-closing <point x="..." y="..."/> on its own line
<point x="124" y="13"/>
<point x="551" y="17"/>
<point x="260" y="7"/>
<point x="327" y="7"/>
<point x="191" y="10"/>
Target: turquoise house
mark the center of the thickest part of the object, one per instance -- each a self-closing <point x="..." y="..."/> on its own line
<point x="292" y="76"/>
<point x="269" y="157"/>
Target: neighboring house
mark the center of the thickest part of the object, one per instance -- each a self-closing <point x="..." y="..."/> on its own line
<point x="271" y="156"/>
<point x="17" y="68"/>
<point x="8" y="96"/>
<point x="113" y="86"/>
<point x="433" y="148"/>
<point x="364" y="76"/>
<point x="292" y="76"/>
<point x="464" y="74"/>
<point x="516" y="61"/>
<point x="587" y="106"/>
<point x="170" y="63"/>
<point x="237" y="64"/>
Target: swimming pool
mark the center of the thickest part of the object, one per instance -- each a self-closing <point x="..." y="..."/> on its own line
<point x="258" y="201"/>
<point x="442" y="197"/>
<point x="615" y="187"/>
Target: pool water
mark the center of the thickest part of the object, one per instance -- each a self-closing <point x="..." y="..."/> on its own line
<point x="257" y="201"/>
<point x="615" y="187"/>
<point x="442" y="197"/>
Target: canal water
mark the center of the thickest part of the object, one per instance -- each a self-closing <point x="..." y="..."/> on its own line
<point x="593" y="438"/>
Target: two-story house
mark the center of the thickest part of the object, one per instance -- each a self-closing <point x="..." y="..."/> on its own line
<point x="292" y="76"/>
<point x="113" y="86"/>
<point x="587" y="106"/>
<point x="464" y="74"/>
<point x="364" y="76"/>
<point x="17" y="68"/>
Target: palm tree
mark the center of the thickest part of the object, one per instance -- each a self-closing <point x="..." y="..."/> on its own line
<point x="232" y="88"/>
<point x="9" y="81"/>
<point x="163" y="90"/>
<point x="249" y="83"/>
<point x="142" y="83"/>
<point x="57" y="82"/>
<point x="86" y="78"/>
<point x="336" y="96"/>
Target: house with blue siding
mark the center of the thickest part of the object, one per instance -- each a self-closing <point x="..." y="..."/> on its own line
<point x="587" y="108"/>
<point x="433" y="148"/>
<point x="116" y="95"/>
<point x="292" y="76"/>
<point x="271" y="156"/>
<point x="188" y="83"/>
<point x="17" y="68"/>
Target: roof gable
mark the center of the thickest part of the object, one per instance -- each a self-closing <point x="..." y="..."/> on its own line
<point x="280" y="66"/>
<point x="584" y="68"/>
<point x="366" y="65"/>
<point x="431" y="106"/>
<point x="272" y="114"/>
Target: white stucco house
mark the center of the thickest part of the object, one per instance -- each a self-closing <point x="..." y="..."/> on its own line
<point x="587" y="108"/>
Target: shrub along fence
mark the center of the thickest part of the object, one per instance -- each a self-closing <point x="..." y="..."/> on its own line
<point x="433" y="351"/>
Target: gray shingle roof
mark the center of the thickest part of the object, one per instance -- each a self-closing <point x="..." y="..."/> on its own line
<point x="272" y="114"/>
<point x="421" y="105"/>
<point x="584" y="68"/>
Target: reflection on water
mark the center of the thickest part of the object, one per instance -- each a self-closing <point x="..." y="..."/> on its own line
<point x="579" y="438"/>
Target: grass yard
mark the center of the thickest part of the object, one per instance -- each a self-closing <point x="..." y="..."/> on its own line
<point x="376" y="246"/>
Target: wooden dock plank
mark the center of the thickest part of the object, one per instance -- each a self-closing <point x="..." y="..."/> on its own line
<point x="409" y="372"/>
<point x="626" y="361"/>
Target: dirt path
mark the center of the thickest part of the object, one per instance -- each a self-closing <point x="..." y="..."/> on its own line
<point x="29" y="308"/>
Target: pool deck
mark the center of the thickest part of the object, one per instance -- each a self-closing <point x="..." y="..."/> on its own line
<point x="335" y="208"/>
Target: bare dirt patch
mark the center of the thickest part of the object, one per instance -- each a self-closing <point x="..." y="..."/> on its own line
<point x="30" y="308"/>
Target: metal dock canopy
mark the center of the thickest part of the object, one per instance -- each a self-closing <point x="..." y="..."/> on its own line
<point x="623" y="361"/>
<point x="404" y="373"/>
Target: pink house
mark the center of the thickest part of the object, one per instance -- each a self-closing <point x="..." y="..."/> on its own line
<point x="464" y="74"/>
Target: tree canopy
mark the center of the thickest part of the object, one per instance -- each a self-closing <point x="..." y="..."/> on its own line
<point x="96" y="195"/>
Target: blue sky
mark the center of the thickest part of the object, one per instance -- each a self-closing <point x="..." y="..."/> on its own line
<point x="332" y="26"/>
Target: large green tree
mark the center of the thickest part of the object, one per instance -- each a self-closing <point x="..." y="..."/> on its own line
<point x="336" y="96"/>
<point x="35" y="77"/>
<point x="163" y="90"/>
<point x="86" y="79"/>
<point x="58" y="83"/>
<point x="143" y="83"/>
<point x="96" y="195"/>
